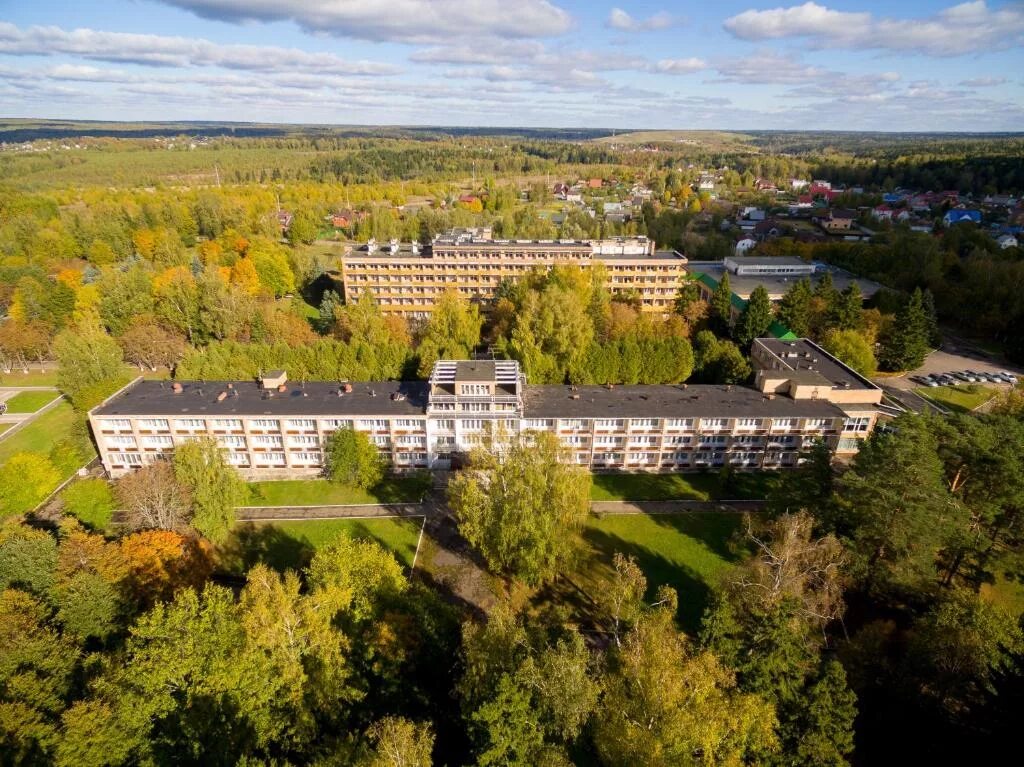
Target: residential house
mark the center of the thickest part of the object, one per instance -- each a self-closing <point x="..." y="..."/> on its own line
<point x="1007" y="241"/>
<point x="961" y="216"/>
<point x="745" y="243"/>
<point x="838" y="220"/>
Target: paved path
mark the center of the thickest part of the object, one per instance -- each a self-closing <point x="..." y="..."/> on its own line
<point x="673" y="507"/>
<point x="262" y="513"/>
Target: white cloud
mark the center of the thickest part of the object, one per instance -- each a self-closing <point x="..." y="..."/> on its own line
<point x="766" y="68"/>
<point x="395" y="20"/>
<point x="983" y="82"/>
<point x="679" y="66"/>
<point x="622" y="21"/>
<point x="159" y="50"/>
<point x="970" y="27"/>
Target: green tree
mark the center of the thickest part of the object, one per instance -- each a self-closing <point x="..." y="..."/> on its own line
<point x="304" y="228"/>
<point x="521" y="505"/>
<point x="851" y="348"/>
<point x="271" y="263"/>
<point x="90" y="364"/>
<point x="452" y="332"/>
<point x="397" y="742"/>
<point x="88" y="605"/>
<point x="352" y="459"/>
<point x="718" y="361"/>
<point x="28" y="558"/>
<point x="91" y="501"/>
<point x="756" y="317"/>
<point x="904" y="345"/>
<point x="721" y="305"/>
<point x="214" y="486"/>
<point x="25" y="481"/>
<point x="795" y="308"/>
<point x="825" y="721"/>
<point x="848" y="309"/>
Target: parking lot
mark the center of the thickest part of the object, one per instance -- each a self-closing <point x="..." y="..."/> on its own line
<point x="947" y="361"/>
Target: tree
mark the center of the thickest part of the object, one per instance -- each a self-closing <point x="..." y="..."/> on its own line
<point x="452" y="332"/>
<point x="825" y="721"/>
<point x="25" y="480"/>
<point x="721" y="305"/>
<point x="904" y="345"/>
<point x="851" y="348"/>
<point x="304" y="228"/>
<point x="717" y="361"/>
<point x="23" y="342"/>
<point x="157" y="563"/>
<point x="521" y="505"/>
<point x="848" y="308"/>
<point x="88" y="605"/>
<point x="352" y="458"/>
<point x="795" y="308"/>
<point x="756" y="317"/>
<point x="271" y="263"/>
<point x="330" y="304"/>
<point x="90" y="364"/>
<point x="665" y="705"/>
<point x="153" y="497"/>
<point x="397" y="742"/>
<point x="91" y="501"/>
<point x="931" y="319"/>
<point x="28" y="558"/>
<point x="152" y="346"/>
<point x="215" y="487"/>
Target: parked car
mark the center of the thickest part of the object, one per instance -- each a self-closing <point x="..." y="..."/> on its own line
<point x="1011" y="377"/>
<point x="963" y="376"/>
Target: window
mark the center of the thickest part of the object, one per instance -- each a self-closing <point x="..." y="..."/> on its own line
<point x="381" y="440"/>
<point x="641" y="440"/>
<point x="748" y="423"/>
<point x="238" y="459"/>
<point x="537" y="424"/>
<point x="264" y="423"/>
<point x="266" y="441"/>
<point x="303" y="441"/>
<point x="442" y="442"/>
<point x="606" y="440"/>
<point x="190" y="424"/>
<point x="474" y="407"/>
<point x="818" y="423"/>
<point x="712" y="423"/>
<point x="332" y="424"/>
<point x="856" y="424"/>
<point x="231" y="441"/>
<point x="573" y="439"/>
<point x="472" y="424"/>
<point x="271" y="459"/>
<point x="411" y="441"/>
<point x="609" y="423"/>
<point x="677" y="440"/>
<point x="644" y="423"/>
<point x="307" y="457"/>
<point x="118" y="424"/>
<point x="227" y="424"/>
<point x="160" y="442"/>
<point x="446" y="424"/>
<point x="705" y="441"/>
<point x="132" y="459"/>
<point x="120" y="441"/>
<point x="303" y="424"/>
<point x="476" y="390"/>
<point x="574" y="423"/>
<point x="408" y="423"/>
<point x="679" y="423"/>
<point x="154" y="424"/>
<point x="783" y="423"/>
<point x="371" y="424"/>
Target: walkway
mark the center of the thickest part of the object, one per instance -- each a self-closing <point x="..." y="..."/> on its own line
<point x="352" y="511"/>
<point x="673" y="507"/>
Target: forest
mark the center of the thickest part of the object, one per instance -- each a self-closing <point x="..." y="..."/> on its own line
<point x="869" y="613"/>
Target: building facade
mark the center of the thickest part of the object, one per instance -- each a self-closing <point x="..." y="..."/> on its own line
<point x="408" y="281"/>
<point x="272" y="428"/>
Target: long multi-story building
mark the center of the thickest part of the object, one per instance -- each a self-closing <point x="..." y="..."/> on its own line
<point x="408" y="280"/>
<point x="271" y="428"/>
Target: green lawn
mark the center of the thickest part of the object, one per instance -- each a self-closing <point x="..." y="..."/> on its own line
<point x="688" y="551"/>
<point x="688" y="487"/>
<point x="292" y="544"/>
<point x="30" y="401"/>
<point x="5" y="426"/>
<point x="321" y="492"/>
<point x="960" y="399"/>
<point x="31" y="378"/>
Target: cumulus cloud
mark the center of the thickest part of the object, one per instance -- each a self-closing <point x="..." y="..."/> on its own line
<point x="970" y="27"/>
<point x="983" y="82"/>
<point x="622" y="21"/>
<point x="679" y="66"/>
<point x="159" y="50"/>
<point x="395" y="20"/>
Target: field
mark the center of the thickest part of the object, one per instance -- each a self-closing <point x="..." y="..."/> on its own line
<point x="321" y="492"/>
<point x="959" y="399"/>
<point x="688" y="552"/>
<point x="685" y="487"/>
<point x="33" y="377"/>
<point x="30" y="401"/>
<point x="292" y="544"/>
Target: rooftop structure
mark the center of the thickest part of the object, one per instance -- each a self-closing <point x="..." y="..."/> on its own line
<point x="709" y="274"/>
<point x="801" y="394"/>
<point x="770" y="265"/>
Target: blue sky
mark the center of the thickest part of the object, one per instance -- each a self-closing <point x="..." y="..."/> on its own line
<point x="820" y="64"/>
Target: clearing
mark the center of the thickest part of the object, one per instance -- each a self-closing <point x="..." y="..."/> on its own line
<point x="688" y="552"/>
<point x="30" y="401"/>
<point x="959" y="399"/>
<point x="322" y="492"/>
<point x="291" y="544"/>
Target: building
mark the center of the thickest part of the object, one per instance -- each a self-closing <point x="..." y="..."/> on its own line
<point x="745" y="243"/>
<point x="768" y="265"/>
<point x="272" y="428"/>
<point x="410" y="281"/>
<point x="1006" y="241"/>
<point x="839" y="220"/>
<point x="961" y="216"/>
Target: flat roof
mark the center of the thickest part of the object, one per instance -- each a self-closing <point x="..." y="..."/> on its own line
<point x="769" y="261"/>
<point x="668" y="401"/>
<point x="810" y="363"/>
<point x="199" y="399"/>
<point x="777" y="284"/>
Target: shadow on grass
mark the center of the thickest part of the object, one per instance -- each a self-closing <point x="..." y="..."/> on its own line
<point x="252" y="543"/>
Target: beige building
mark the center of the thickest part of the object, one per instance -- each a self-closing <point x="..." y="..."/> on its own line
<point x="273" y="428"/>
<point x="408" y="280"/>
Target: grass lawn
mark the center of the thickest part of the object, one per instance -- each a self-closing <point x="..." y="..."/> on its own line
<point x="5" y="426"/>
<point x="321" y="492"/>
<point x="686" y="551"/>
<point x="30" y="401"/>
<point x="687" y="487"/>
<point x="31" y="378"/>
<point x="959" y="399"/>
<point x="1007" y="591"/>
<point x="284" y="545"/>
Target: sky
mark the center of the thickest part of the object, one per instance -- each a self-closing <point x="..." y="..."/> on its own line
<point x="916" y="65"/>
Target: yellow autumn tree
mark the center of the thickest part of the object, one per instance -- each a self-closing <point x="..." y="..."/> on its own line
<point x="244" y="276"/>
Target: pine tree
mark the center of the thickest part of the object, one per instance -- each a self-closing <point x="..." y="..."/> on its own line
<point x="905" y="344"/>
<point x="795" y="308"/>
<point x="756" y="317"/>
<point x="846" y="312"/>
<point x="932" y="320"/>
<point x="721" y="305"/>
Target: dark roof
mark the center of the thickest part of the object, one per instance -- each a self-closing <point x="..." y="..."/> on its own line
<point x="197" y="398"/>
<point x="809" y="360"/>
<point x="474" y="370"/>
<point x="668" y="401"/>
